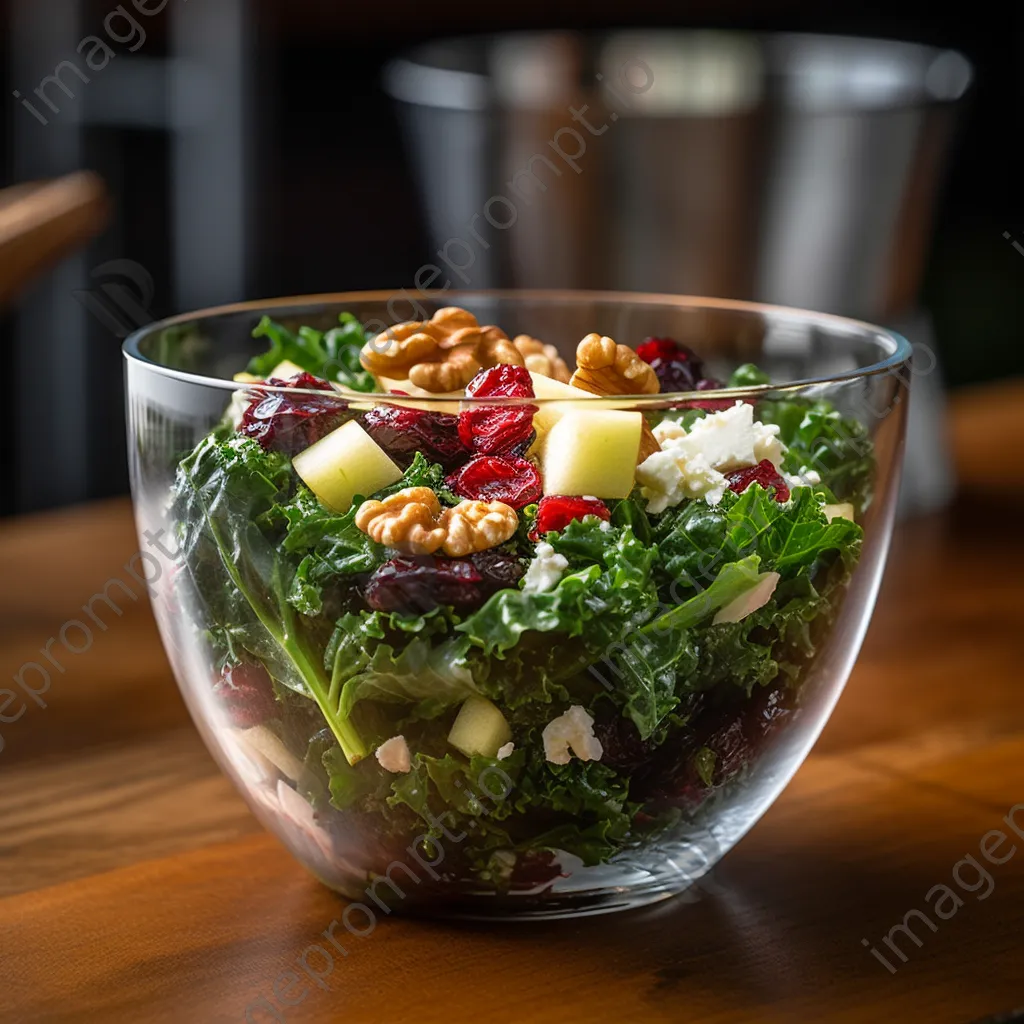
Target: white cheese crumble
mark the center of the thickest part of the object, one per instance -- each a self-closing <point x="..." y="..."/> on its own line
<point x="394" y="755"/>
<point x="546" y="569"/>
<point x="767" y="444"/>
<point x="692" y="465"/>
<point x="574" y="730"/>
<point x="240" y="401"/>
<point x="505" y="750"/>
<point x="666" y="430"/>
<point x="667" y="477"/>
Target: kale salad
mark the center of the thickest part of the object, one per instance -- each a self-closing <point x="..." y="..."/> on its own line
<point x="559" y="629"/>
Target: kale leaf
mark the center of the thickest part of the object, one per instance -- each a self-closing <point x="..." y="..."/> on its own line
<point x="332" y="355"/>
<point x="221" y="491"/>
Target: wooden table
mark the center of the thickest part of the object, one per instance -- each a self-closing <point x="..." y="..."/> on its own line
<point x="136" y="887"/>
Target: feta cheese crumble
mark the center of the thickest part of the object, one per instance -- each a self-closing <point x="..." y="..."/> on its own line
<point x="546" y="569"/>
<point x="394" y="756"/>
<point x="694" y="464"/>
<point x="767" y="444"/>
<point x="666" y="430"/>
<point x="505" y="750"/>
<point x="573" y="730"/>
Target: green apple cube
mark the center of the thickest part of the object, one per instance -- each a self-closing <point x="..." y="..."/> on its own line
<point x="479" y="728"/>
<point x="285" y="370"/>
<point x="549" y="413"/>
<point x="592" y="453"/>
<point x="344" y="463"/>
<point x="844" y="510"/>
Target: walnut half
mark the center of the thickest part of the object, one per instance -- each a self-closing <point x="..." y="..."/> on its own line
<point x="605" y="368"/>
<point x="541" y="358"/>
<point x="441" y="354"/>
<point x="406" y="520"/>
<point x="412" y="521"/>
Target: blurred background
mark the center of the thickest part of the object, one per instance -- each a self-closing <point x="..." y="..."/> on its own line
<point x="252" y="149"/>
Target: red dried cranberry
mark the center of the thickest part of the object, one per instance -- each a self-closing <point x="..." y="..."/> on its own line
<point x="621" y="743"/>
<point x="677" y="367"/>
<point x="534" y="869"/>
<point x="711" y="404"/>
<point x="246" y="694"/>
<point x="497" y="430"/>
<point x="763" y="473"/>
<point x="291" y="422"/>
<point x="499" y="570"/>
<point x="557" y="511"/>
<point x="402" y="432"/>
<point x="419" y="585"/>
<point x="658" y="348"/>
<point x="512" y="480"/>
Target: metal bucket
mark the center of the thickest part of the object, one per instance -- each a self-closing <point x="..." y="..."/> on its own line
<point x="793" y="169"/>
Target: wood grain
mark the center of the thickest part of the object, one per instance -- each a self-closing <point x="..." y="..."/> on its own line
<point x="135" y="887"/>
<point x="42" y="223"/>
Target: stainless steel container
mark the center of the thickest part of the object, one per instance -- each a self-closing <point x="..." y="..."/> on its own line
<point x="799" y="170"/>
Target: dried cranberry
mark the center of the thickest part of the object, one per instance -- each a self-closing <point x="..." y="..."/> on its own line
<point x="291" y="422"/>
<point x="535" y="868"/>
<point x="711" y="404"/>
<point x="421" y="584"/>
<point x="737" y="733"/>
<point x="417" y="585"/>
<point x="512" y="480"/>
<point x="677" y="367"/>
<point x="557" y="511"/>
<point x="499" y="570"/>
<point x="246" y="694"/>
<point x="658" y="348"/>
<point x="498" y="430"/>
<point x="402" y="432"/>
<point x="673" y="375"/>
<point x="763" y="473"/>
<point x="621" y="743"/>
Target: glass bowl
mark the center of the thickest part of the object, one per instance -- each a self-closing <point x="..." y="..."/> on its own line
<point x="442" y="734"/>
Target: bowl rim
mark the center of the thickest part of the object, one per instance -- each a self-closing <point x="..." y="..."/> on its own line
<point x="899" y="357"/>
<point x="413" y="76"/>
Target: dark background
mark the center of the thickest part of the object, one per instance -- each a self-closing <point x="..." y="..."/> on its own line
<point x="332" y="204"/>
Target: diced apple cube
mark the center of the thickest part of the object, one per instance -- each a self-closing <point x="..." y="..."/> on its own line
<point x="344" y="463"/>
<point x="549" y="413"/>
<point x="285" y="370"/>
<point x="844" y="510"/>
<point x="592" y="453"/>
<point x="479" y="728"/>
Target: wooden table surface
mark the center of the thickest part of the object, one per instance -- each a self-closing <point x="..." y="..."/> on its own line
<point x="135" y="886"/>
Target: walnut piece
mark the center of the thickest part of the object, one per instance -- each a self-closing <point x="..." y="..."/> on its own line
<point x="478" y="525"/>
<point x="541" y="358"/>
<point x="604" y="368"/>
<point x="443" y="353"/>
<point x="413" y="522"/>
<point x="406" y="520"/>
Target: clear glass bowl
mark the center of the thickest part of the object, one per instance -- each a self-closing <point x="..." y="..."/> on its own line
<point x="520" y="836"/>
